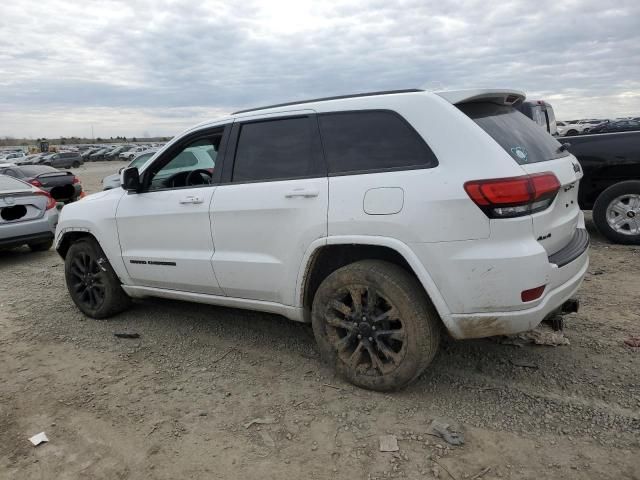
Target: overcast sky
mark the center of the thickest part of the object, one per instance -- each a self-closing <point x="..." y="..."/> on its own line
<point x="158" y="66"/>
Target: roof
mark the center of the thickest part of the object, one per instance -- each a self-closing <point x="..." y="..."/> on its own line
<point x="323" y="99"/>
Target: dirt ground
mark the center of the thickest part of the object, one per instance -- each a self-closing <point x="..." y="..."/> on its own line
<point x="176" y="402"/>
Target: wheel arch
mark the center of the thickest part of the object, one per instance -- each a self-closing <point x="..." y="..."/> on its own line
<point x="68" y="237"/>
<point x="326" y="256"/>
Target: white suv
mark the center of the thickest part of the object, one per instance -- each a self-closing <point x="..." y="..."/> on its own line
<point x="379" y="218"/>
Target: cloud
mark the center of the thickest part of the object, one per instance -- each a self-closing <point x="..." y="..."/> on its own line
<point x="147" y="65"/>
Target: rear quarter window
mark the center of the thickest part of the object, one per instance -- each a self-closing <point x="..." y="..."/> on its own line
<point x="372" y="140"/>
<point x="514" y="132"/>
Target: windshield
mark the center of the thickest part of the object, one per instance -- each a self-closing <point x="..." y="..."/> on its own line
<point x="514" y="132"/>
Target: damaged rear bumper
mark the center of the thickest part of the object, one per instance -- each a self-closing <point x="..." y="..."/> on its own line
<point x="478" y="325"/>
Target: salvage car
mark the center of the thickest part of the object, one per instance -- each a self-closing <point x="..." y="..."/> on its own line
<point x="131" y="153"/>
<point x="27" y="215"/>
<point x="365" y="215"/>
<point x="62" y="186"/>
<point x="611" y="183"/>
<point x="99" y="154"/>
<point x="65" y="160"/>
<point x="616" y="126"/>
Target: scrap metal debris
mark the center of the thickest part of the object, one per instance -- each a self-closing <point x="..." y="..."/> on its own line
<point x="481" y="473"/>
<point x="444" y="431"/>
<point x="38" y="439"/>
<point x="543" y="334"/>
<point x="523" y="364"/>
<point x="126" y="335"/>
<point x="260" y="421"/>
<point x="388" y="443"/>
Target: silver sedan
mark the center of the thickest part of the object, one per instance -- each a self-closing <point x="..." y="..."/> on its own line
<point x="28" y="215"/>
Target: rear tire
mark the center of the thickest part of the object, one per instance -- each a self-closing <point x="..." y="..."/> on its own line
<point x="75" y="165"/>
<point x="41" y="246"/>
<point x="616" y="212"/>
<point x="91" y="281"/>
<point x="570" y="133"/>
<point x="375" y="325"/>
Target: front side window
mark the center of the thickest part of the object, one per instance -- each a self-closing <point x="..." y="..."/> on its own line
<point x="361" y="141"/>
<point x="275" y="149"/>
<point x="141" y="160"/>
<point x="191" y="166"/>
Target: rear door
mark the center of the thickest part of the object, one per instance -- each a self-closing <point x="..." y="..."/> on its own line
<point x="273" y="206"/>
<point x="536" y="152"/>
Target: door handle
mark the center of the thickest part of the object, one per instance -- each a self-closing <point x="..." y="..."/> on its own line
<point x="302" y="192"/>
<point x="190" y="199"/>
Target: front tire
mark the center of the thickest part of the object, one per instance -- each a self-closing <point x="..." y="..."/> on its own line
<point x="616" y="212"/>
<point x="375" y="325"/>
<point x="75" y="165"/>
<point x="93" y="285"/>
<point x="571" y="133"/>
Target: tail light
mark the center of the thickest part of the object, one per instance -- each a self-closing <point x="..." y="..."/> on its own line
<point x="514" y="196"/>
<point x="35" y="182"/>
<point x="51" y="202"/>
<point x="75" y="180"/>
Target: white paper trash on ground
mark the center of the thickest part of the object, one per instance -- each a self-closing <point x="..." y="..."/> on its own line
<point x="39" y="438"/>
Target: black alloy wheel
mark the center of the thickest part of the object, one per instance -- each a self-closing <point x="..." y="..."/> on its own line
<point x="87" y="280"/>
<point x="366" y="330"/>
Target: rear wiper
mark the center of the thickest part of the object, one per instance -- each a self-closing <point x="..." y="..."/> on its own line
<point x="563" y="147"/>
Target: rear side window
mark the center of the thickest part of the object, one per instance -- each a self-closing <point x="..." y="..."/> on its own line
<point x="275" y="149"/>
<point x="514" y="132"/>
<point x="374" y="140"/>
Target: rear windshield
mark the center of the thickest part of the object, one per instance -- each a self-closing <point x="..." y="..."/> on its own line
<point x="521" y="138"/>
<point x="9" y="184"/>
<point x="33" y="170"/>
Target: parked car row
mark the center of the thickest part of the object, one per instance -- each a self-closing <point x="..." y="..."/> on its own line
<point x="9" y="155"/>
<point x="65" y="159"/>
<point x="582" y="127"/>
<point x="113" y="152"/>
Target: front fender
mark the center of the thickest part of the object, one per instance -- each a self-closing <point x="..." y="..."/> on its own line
<point x="95" y="215"/>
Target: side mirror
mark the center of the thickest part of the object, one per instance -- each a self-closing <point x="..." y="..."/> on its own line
<point x="130" y="179"/>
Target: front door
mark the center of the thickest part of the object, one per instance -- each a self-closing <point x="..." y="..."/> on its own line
<point x="272" y="208"/>
<point x="165" y="230"/>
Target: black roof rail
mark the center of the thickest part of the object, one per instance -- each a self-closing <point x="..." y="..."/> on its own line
<point x="323" y="99"/>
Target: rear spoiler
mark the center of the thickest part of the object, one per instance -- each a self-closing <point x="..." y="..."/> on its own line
<point x="53" y="174"/>
<point x="499" y="97"/>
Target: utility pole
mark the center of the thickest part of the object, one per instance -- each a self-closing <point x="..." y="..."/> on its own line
<point x="92" y="136"/>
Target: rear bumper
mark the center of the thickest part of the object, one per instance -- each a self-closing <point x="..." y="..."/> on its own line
<point x="481" y="281"/>
<point x="33" y="231"/>
<point x="477" y="325"/>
